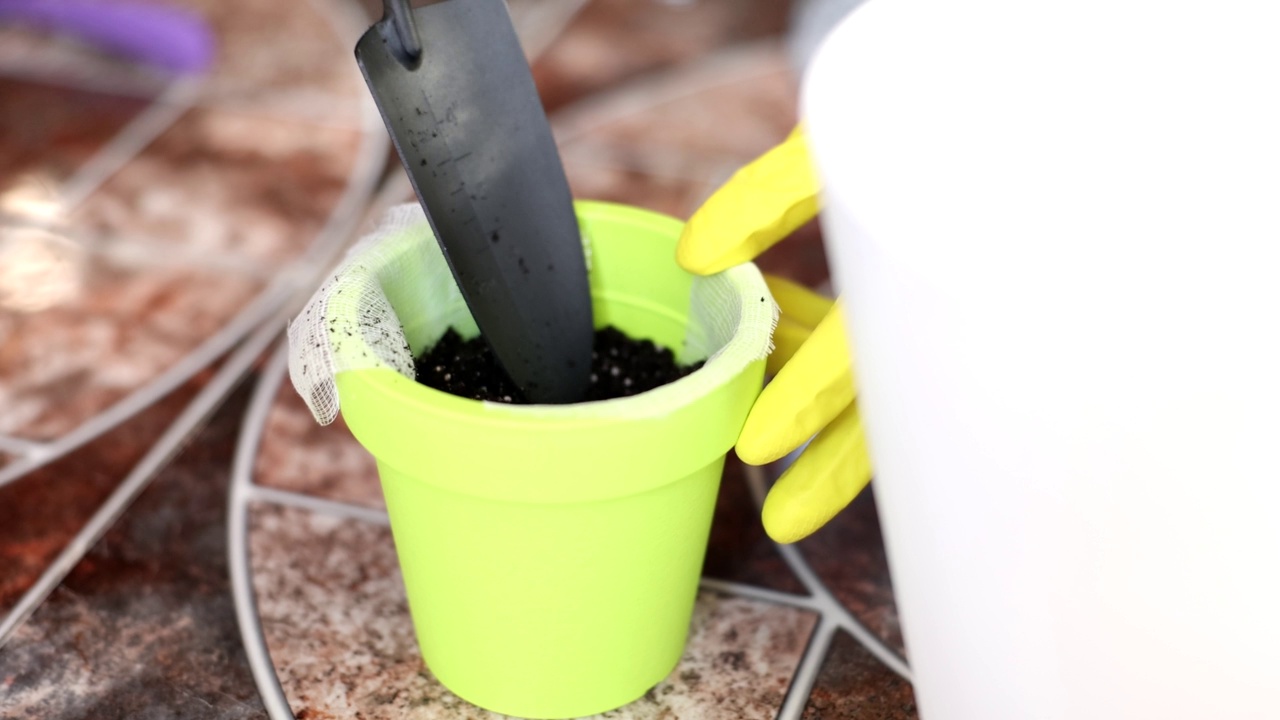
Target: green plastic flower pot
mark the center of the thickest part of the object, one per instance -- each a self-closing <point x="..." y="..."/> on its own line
<point x="551" y="554"/>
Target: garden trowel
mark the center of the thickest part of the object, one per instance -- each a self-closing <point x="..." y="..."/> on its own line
<point x="458" y="99"/>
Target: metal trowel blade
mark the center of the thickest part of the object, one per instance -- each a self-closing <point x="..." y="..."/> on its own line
<point x="467" y="122"/>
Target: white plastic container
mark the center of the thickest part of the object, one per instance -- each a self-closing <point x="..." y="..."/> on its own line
<point x="1057" y="230"/>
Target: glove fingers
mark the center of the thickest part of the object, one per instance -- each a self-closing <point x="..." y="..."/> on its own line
<point x="788" y="337"/>
<point x="761" y="204"/>
<point x="826" y="477"/>
<point x="802" y="310"/>
<point x="807" y="393"/>
<point x="802" y="305"/>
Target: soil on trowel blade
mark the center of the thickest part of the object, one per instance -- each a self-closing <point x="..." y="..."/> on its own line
<point x="620" y="366"/>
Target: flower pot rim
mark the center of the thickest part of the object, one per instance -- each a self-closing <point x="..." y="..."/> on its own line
<point x="642" y="442"/>
<point x="749" y="337"/>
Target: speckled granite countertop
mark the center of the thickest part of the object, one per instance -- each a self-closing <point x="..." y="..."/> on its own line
<point x="155" y="233"/>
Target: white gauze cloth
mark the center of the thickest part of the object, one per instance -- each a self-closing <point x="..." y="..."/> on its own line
<point x="351" y="323"/>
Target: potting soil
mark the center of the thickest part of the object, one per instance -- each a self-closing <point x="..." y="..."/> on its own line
<point x="620" y="366"/>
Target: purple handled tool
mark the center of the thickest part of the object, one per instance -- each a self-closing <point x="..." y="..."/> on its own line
<point x="170" y="38"/>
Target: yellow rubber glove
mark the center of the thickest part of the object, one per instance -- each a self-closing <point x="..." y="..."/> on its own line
<point x="761" y="204"/>
<point x="813" y="387"/>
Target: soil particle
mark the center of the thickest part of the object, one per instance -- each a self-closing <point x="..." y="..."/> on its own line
<point x="620" y="366"/>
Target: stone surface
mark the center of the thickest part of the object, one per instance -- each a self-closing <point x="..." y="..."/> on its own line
<point x="286" y="58"/>
<point x="46" y="134"/>
<point x="300" y="455"/>
<point x="118" y="325"/>
<point x="223" y="189"/>
<point x="338" y="629"/>
<point x="853" y="684"/>
<point x="848" y="556"/>
<point x="41" y="511"/>
<point x="613" y="41"/>
<point x="144" y="626"/>
<point x="666" y="141"/>
<point x="738" y="549"/>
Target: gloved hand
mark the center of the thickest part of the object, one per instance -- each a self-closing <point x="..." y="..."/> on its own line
<point x="813" y="386"/>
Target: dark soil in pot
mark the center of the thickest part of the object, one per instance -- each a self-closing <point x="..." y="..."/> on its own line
<point x="620" y="366"/>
